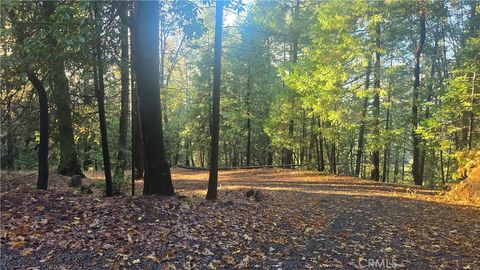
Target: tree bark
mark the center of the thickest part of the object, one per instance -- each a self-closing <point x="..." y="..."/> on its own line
<point x="319" y="141"/>
<point x="351" y="154"/>
<point x="249" y="130"/>
<point x="395" y="167"/>
<point x="471" y="127"/>
<point x="333" y="159"/>
<point x="386" y="153"/>
<point x="423" y="150"/>
<point x="361" y="132"/>
<point x="217" y="65"/>
<point x="225" y="152"/>
<point x="138" y="157"/>
<point x="69" y="164"/>
<point x="289" y="151"/>
<point x="416" y="166"/>
<point x="303" y="137"/>
<point x="313" y="136"/>
<point x="157" y="178"/>
<point x="403" y="160"/>
<point x="8" y="160"/>
<point x="187" y="155"/>
<point x="375" y="173"/>
<point x="99" y="85"/>
<point x="442" y="169"/>
<point x="447" y="173"/>
<point x="42" y="180"/>
<point x="100" y="94"/>
<point x="269" y="158"/>
<point x="123" y="125"/>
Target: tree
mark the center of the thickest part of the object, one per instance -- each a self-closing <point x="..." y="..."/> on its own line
<point x="100" y="94"/>
<point x="361" y="132"/>
<point x="215" y="122"/>
<point x="42" y="178"/>
<point x="375" y="174"/>
<point x="296" y="86"/>
<point x="417" y="171"/>
<point x="138" y="157"/>
<point x="42" y="181"/>
<point x="124" y="99"/>
<point x="157" y="178"/>
<point x="69" y="164"/>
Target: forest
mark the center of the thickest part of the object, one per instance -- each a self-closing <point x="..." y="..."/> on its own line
<point x="294" y="119"/>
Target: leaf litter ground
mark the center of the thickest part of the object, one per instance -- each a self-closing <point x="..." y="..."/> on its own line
<point x="296" y="220"/>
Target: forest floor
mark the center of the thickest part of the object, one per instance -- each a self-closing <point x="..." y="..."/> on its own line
<point x="297" y="220"/>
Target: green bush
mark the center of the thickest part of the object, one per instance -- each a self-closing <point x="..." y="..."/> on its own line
<point x="27" y="159"/>
<point x="120" y="185"/>
<point x="467" y="161"/>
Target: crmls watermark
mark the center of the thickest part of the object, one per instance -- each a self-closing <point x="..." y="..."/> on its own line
<point x="378" y="263"/>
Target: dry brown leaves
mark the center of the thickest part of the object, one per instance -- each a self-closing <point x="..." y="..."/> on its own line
<point x="303" y="221"/>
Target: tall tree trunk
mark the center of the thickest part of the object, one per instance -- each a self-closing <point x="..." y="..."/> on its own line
<point x="447" y="173"/>
<point x="138" y="158"/>
<point x="69" y="164"/>
<point x="386" y="153"/>
<point x="192" y="159"/>
<point x="403" y="161"/>
<point x="289" y="151"/>
<point x="320" y="159"/>
<point x="467" y="131"/>
<point x="269" y="158"/>
<point x="123" y="126"/>
<point x="375" y="173"/>
<point x="163" y="48"/>
<point x="225" y="152"/>
<point x="471" y="127"/>
<point x="100" y="94"/>
<point x="8" y="160"/>
<point x="157" y="178"/>
<point x="317" y="149"/>
<point x="249" y="143"/>
<point x="416" y="139"/>
<point x="187" y="155"/>
<point x="177" y="153"/>
<point x="303" y="136"/>
<point x="217" y="65"/>
<point x="42" y="180"/>
<point x="289" y="160"/>
<point x="395" y="167"/>
<point x="249" y="131"/>
<point x="442" y="169"/>
<point x="364" y="165"/>
<point x="235" y="156"/>
<point x="361" y="132"/>
<point x="423" y="150"/>
<point x="351" y="155"/>
<point x="333" y="159"/>
<point x="311" y="146"/>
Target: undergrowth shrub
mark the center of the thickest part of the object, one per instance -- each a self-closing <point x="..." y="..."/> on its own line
<point x="469" y="169"/>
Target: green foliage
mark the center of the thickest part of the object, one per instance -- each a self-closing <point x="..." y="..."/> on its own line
<point x="283" y="62"/>
<point x="121" y="185"/>
<point x="467" y="162"/>
<point x="27" y="159"/>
